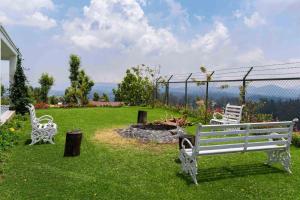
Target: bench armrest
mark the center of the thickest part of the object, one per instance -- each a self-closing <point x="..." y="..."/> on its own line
<point x="189" y="143"/>
<point x="47" y="118"/>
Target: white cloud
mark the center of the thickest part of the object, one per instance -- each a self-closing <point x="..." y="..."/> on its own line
<point x="117" y="24"/>
<point x="178" y="14"/>
<point x="143" y="2"/>
<point x="40" y="20"/>
<point x="271" y="7"/>
<point x="254" y="56"/>
<point x="237" y="14"/>
<point x="200" y="18"/>
<point x="215" y="38"/>
<point x="254" y="20"/>
<point x="27" y="13"/>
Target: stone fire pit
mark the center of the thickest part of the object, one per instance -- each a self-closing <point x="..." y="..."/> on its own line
<point x="159" y="133"/>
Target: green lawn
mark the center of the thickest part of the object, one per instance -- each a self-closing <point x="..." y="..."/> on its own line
<point x="103" y="171"/>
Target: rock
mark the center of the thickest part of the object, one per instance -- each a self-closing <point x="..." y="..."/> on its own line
<point x="153" y="135"/>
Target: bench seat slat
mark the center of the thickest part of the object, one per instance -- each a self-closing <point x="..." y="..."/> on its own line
<point x="235" y="150"/>
<point x="242" y="138"/>
<point x="223" y="146"/>
<point x="215" y="140"/>
<point x="234" y="111"/>
<point x="270" y="130"/>
<point x="244" y="125"/>
<point x="222" y="133"/>
<point x="233" y="106"/>
<point x="251" y="131"/>
<point x="223" y="121"/>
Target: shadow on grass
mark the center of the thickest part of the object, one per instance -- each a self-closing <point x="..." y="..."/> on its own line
<point x="28" y="142"/>
<point x="220" y="173"/>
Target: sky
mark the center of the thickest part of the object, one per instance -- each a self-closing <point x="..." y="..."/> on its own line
<point x="177" y="35"/>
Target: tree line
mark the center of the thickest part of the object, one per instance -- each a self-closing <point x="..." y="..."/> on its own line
<point x="136" y="88"/>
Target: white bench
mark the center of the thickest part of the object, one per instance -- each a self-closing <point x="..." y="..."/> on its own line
<point x="232" y="115"/>
<point x="43" y="128"/>
<point x="273" y="137"/>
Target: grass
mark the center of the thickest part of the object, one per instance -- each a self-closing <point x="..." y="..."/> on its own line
<point x="105" y="170"/>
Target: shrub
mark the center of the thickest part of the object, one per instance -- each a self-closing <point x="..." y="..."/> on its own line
<point x="53" y="100"/>
<point x="41" y="105"/>
<point x="90" y="105"/>
<point x="136" y="87"/>
<point x="296" y="139"/>
<point x="9" y="132"/>
<point x="7" y="138"/>
<point x="264" y="117"/>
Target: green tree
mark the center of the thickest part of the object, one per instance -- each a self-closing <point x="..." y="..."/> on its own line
<point x="85" y="85"/>
<point x="105" y="97"/>
<point x="46" y="81"/>
<point x="2" y="90"/>
<point x="137" y="87"/>
<point x="19" y="91"/>
<point x="81" y="84"/>
<point x="96" y="96"/>
<point x="53" y="100"/>
<point x="74" y="69"/>
<point x="34" y="94"/>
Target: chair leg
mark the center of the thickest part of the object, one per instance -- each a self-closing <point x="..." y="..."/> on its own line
<point x="34" y="138"/>
<point x="189" y="165"/>
<point x="285" y="159"/>
<point x="281" y="156"/>
<point x="51" y="140"/>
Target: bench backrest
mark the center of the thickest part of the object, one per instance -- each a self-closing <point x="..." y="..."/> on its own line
<point x="245" y="135"/>
<point x="233" y="113"/>
<point x="34" y="122"/>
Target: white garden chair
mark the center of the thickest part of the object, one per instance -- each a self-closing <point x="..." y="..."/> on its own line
<point x="43" y="128"/>
<point x="232" y="115"/>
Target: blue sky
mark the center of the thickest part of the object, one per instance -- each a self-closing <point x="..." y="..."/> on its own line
<point x="178" y="35"/>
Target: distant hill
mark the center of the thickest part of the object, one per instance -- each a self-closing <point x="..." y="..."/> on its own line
<point x="254" y="92"/>
<point x="98" y="87"/>
<point x="104" y="88"/>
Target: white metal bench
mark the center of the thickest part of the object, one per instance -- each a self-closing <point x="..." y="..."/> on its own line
<point x="43" y="128"/>
<point x="273" y="137"/>
<point x="232" y="115"/>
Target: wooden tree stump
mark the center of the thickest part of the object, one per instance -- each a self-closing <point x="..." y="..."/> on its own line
<point x="73" y="142"/>
<point x="142" y="117"/>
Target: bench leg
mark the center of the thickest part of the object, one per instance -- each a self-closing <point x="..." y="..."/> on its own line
<point x="286" y="161"/>
<point x="35" y="137"/>
<point x="283" y="157"/>
<point x="189" y="165"/>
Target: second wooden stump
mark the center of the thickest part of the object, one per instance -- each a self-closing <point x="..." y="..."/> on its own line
<point x="142" y="117"/>
<point x="73" y="142"/>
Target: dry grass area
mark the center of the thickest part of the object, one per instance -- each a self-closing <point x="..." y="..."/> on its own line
<point x="113" y="139"/>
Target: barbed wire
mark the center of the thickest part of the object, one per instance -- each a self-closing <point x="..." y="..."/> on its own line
<point x="255" y="69"/>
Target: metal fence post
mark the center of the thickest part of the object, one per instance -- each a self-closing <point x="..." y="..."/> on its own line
<point x="167" y="90"/>
<point x="185" y="92"/>
<point x="243" y="92"/>
<point x="206" y="95"/>
<point x="156" y="88"/>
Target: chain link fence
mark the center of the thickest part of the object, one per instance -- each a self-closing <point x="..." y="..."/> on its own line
<point x="269" y="92"/>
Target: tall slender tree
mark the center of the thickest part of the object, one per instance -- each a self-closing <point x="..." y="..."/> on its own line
<point x="18" y="90"/>
<point x="74" y="69"/>
<point x="96" y="96"/>
<point x="85" y="85"/>
<point x="81" y="84"/>
<point x="46" y="81"/>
